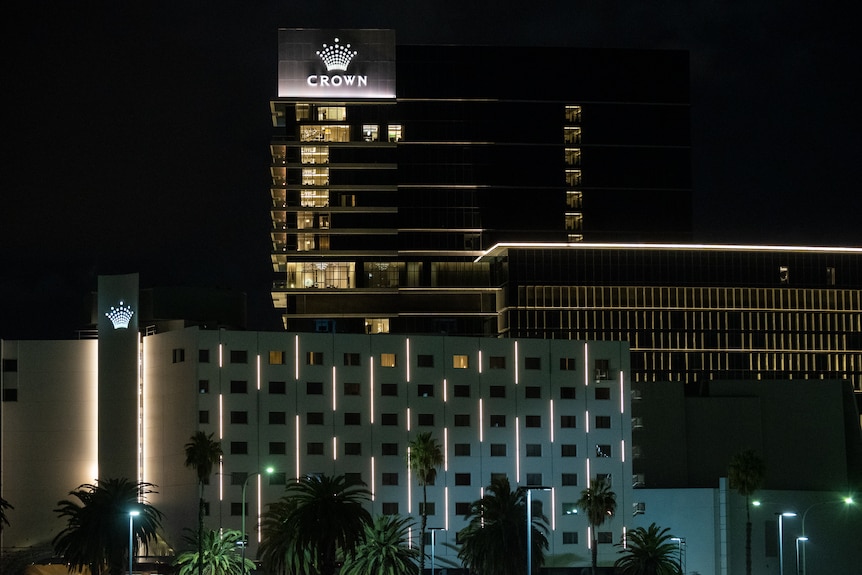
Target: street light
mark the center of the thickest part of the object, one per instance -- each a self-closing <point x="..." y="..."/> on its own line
<point x="846" y="501"/>
<point x="530" y="524"/>
<point x="680" y="541"/>
<point x="802" y="539"/>
<point x="781" y="517"/>
<point x="434" y="531"/>
<point x="268" y="470"/>
<point x="132" y="515"/>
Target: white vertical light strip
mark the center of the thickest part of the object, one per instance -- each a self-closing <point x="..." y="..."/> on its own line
<point x="445" y="393"/>
<point x="553" y="508"/>
<point x="220" y="416"/>
<point x="552" y="420"/>
<point x="481" y="423"/>
<point x="296" y="358"/>
<point x="220" y="355"/>
<point x="517" y="450"/>
<point x="259" y="505"/>
<point x="587" y="421"/>
<point x="334" y="448"/>
<point x="623" y="450"/>
<point x="373" y="476"/>
<point x="517" y="362"/>
<point x="409" y="484"/>
<point x="334" y="394"/>
<point x="296" y="425"/>
<point x="221" y="477"/>
<point x="480" y="361"/>
<point x="446" y="502"/>
<point x="445" y="449"/>
<point x="371" y="377"/>
<point x="589" y="537"/>
<point x="588" y="473"/>
<point x="586" y="365"/>
<point x="408" y="419"/>
<point x="140" y="409"/>
<point x="408" y="360"/>
<point x="622" y="395"/>
<point x="258" y="372"/>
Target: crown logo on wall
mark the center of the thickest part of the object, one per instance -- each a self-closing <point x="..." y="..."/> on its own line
<point x="336" y="56"/>
<point x="120" y="316"/>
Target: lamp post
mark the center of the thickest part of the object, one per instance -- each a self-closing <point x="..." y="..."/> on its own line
<point x="802" y="539"/>
<point x="268" y="470"/>
<point x="781" y="517"/>
<point x="846" y="501"/>
<point x="530" y="524"/>
<point x="132" y="515"/>
<point x="434" y="531"/>
<point x="680" y="541"/>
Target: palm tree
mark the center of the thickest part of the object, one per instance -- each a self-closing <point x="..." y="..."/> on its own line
<point x="648" y="551"/>
<point x="385" y="549"/>
<point x="495" y="539"/>
<point x="219" y="555"/>
<point x="599" y="503"/>
<point x="97" y="532"/>
<point x="202" y="453"/>
<point x="745" y="474"/>
<point x="4" y="505"/>
<point x="277" y="538"/>
<point x="326" y="522"/>
<point x="424" y="456"/>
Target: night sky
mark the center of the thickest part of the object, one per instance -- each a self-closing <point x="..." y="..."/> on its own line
<point x="136" y="139"/>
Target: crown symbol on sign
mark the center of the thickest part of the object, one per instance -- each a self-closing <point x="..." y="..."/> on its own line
<point x="336" y="56"/>
<point x="120" y="316"/>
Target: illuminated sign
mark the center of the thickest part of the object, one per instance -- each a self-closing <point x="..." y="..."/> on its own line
<point x="344" y="64"/>
<point x="120" y="316"/>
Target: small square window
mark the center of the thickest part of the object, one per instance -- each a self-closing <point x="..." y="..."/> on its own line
<point x="203" y="416"/>
<point x="603" y="450"/>
<point x="203" y="386"/>
<point x="497" y="391"/>
<point x="498" y="421"/>
<point x="314" y="418"/>
<point x="568" y="392"/>
<point x="389" y="389"/>
<point x="352" y="359"/>
<point x="351" y="388"/>
<point x="462" y="449"/>
<point x="462" y="479"/>
<point x="569" y="479"/>
<point x="238" y="386"/>
<point x="390" y="508"/>
<point x="460" y="361"/>
<point x="395" y="132"/>
<point x="369" y="132"/>
<point x="533" y="392"/>
<point x="462" y="420"/>
<point x="603" y="393"/>
<point x="389" y="419"/>
<point x="605" y="537"/>
<point x="603" y="369"/>
<point x="178" y="355"/>
<point x="532" y="363"/>
<point x="425" y="360"/>
<point x="239" y="417"/>
<point x="390" y="479"/>
<point x="498" y="476"/>
<point x="238" y="356"/>
<point x="278" y="478"/>
<point x="237" y="507"/>
<point x="276" y="357"/>
<point x="425" y="390"/>
<point x="389" y="449"/>
<point x="570" y="537"/>
<point x="277" y="448"/>
<point x="497" y="362"/>
<point x="427" y="508"/>
<point x="534" y="479"/>
<point x="387" y="360"/>
<point x="462" y="508"/>
<point x="568" y="450"/>
<point x="603" y="422"/>
<point x="352" y="448"/>
<point x="238" y="477"/>
<point x="534" y="450"/>
<point x="567" y="364"/>
<point x="568" y="421"/>
<point x="238" y="448"/>
<point x="314" y="388"/>
<point x="533" y="421"/>
<point x="277" y="387"/>
<point x="314" y="448"/>
<point x="10" y="394"/>
<point x="352" y="418"/>
<point x="277" y="418"/>
<point x="498" y="450"/>
<point x="425" y="419"/>
<point x="461" y="390"/>
<point x="203" y="356"/>
<point x="314" y="358"/>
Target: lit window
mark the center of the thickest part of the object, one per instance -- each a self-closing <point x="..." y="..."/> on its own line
<point x="395" y="132"/>
<point x="567" y="364"/>
<point x="460" y="361"/>
<point x="276" y="357"/>
<point x="369" y="132"/>
<point x="314" y="358"/>
<point x="387" y="360"/>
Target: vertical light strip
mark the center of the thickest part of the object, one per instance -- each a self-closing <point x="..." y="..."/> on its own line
<point x="296" y="425"/>
<point x="220" y="355"/>
<point x="220" y="416"/>
<point x="622" y="395"/>
<point x="409" y="484"/>
<point x="445" y="393"/>
<point x="552" y="420"/>
<point x="446" y="501"/>
<point x="588" y="472"/>
<point x="221" y="477"/>
<point x="371" y="376"/>
<point x="481" y="423"/>
<point x="258" y="372"/>
<point x="517" y="362"/>
<point x="296" y="358"/>
<point x="587" y="421"/>
<point x="408" y="419"/>
<point x="334" y="448"/>
<point x="408" y="360"/>
<point x="445" y="449"/>
<point x="553" y="508"/>
<point x="517" y="450"/>
<point x="589" y="537"/>
<point x="373" y="477"/>
<point x="333" y="388"/>
<point x="586" y="365"/>
<point x="259" y="505"/>
<point x="480" y="361"/>
<point x="623" y="450"/>
<point x="140" y="408"/>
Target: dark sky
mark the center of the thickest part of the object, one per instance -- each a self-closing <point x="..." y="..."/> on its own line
<point x="136" y="139"/>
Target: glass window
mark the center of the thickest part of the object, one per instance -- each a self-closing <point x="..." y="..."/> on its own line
<point x="462" y="420"/>
<point x="369" y="132"/>
<point x="425" y="390"/>
<point x="390" y="479"/>
<point x="462" y="479"/>
<point x="568" y="392"/>
<point x="568" y="450"/>
<point x="238" y="386"/>
<point x="352" y="448"/>
<point x="277" y="418"/>
<point x="352" y="418"/>
<point x="462" y="449"/>
<point x="568" y="421"/>
<point x="314" y="418"/>
<point x="570" y="537"/>
<point x="603" y="393"/>
<point x="238" y="356"/>
<point x="533" y="392"/>
<point x="314" y="448"/>
<point x="570" y="479"/>
<point x="533" y="421"/>
<point x="603" y="422"/>
<point x="426" y="419"/>
<point x="534" y="450"/>
<point x="387" y="360"/>
<point x="239" y="417"/>
<point x="351" y="388"/>
<point x="497" y="362"/>
<point x="460" y="361"/>
<point x="425" y="360"/>
<point x="352" y="359"/>
<point x="314" y="154"/>
<point x="461" y="390"/>
<point x="532" y="363"/>
<point x="498" y="450"/>
<point x="498" y="421"/>
<point x="277" y="387"/>
<point x="395" y="132"/>
<point x="389" y="419"/>
<point x="277" y="448"/>
<point x="314" y="388"/>
<point x="276" y="357"/>
<point x="603" y="450"/>
<point x="567" y="364"/>
<point x="314" y="358"/>
<point x="498" y="391"/>
<point x="389" y="389"/>
<point x="389" y="449"/>
<point x="330" y="133"/>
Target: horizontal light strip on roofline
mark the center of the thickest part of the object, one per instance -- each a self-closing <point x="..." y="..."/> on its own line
<point x="502" y="248"/>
